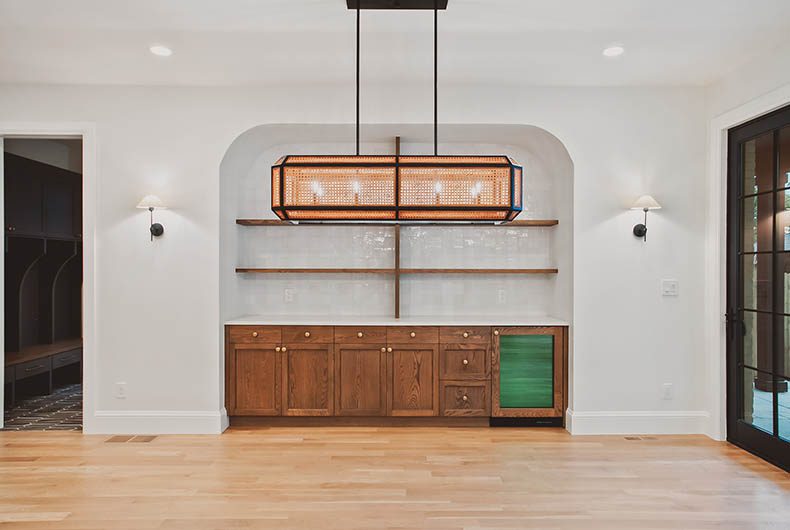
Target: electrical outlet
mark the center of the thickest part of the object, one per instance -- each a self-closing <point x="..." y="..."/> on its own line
<point x="288" y="296"/>
<point x="501" y="296"/>
<point x="668" y="392"/>
<point x="670" y="288"/>
<point x="120" y="390"/>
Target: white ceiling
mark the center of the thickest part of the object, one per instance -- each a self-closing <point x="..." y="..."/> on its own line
<point x="255" y="42"/>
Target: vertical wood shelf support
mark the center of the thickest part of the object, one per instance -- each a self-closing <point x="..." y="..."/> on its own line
<point x="397" y="234"/>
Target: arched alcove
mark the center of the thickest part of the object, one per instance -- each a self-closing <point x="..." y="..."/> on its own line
<point x="245" y="193"/>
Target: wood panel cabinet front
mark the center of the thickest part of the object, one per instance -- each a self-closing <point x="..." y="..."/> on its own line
<point x="465" y="361"/>
<point x="466" y="398"/>
<point x="254" y="385"/>
<point x="360" y="380"/>
<point x="308" y="380"/>
<point x="413" y="380"/>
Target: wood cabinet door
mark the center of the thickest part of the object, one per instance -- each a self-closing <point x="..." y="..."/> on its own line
<point x="254" y="380"/>
<point x="528" y="372"/>
<point x="360" y="380"/>
<point x="465" y="361"/>
<point x="308" y="380"/>
<point x="413" y="377"/>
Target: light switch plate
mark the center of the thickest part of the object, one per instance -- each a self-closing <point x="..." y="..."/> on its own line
<point x="670" y="288"/>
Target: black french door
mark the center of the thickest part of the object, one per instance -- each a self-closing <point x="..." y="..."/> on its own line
<point x="758" y="287"/>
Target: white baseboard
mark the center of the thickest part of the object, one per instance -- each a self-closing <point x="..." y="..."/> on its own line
<point x="637" y="422"/>
<point x="157" y="422"/>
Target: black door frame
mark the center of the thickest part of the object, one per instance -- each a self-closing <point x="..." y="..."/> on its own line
<point x="767" y="446"/>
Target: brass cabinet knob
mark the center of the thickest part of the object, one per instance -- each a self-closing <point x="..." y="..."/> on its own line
<point x="466" y="334"/>
<point x="496" y="332"/>
<point x="359" y="334"/>
<point x="465" y="398"/>
<point x="277" y="348"/>
<point x="255" y="334"/>
<point x="412" y="334"/>
<point x="383" y="350"/>
<point x="285" y="349"/>
<point x="466" y="361"/>
<point x="307" y="334"/>
<point x="389" y="350"/>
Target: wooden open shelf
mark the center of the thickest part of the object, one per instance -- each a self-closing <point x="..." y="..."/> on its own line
<point x="276" y="222"/>
<point x="396" y="271"/>
<point x="257" y="270"/>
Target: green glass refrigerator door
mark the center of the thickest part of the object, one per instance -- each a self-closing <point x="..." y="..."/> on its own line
<point x="526" y="371"/>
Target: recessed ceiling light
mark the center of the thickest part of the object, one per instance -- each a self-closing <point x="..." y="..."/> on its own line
<point x="615" y="50"/>
<point x="160" y="50"/>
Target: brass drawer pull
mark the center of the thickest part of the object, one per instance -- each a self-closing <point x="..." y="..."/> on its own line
<point x="466" y="362"/>
<point x="383" y="350"/>
<point x="255" y="334"/>
<point x="307" y="334"/>
<point x="360" y="334"/>
<point x="277" y="348"/>
<point x="412" y="334"/>
<point x="285" y="349"/>
<point x="496" y="332"/>
<point x="389" y="350"/>
<point x="465" y="398"/>
<point x="466" y="334"/>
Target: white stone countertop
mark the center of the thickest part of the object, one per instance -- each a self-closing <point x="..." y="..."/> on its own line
<point x="344" y="320"/>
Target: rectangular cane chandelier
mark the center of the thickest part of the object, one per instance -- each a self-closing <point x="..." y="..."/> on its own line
<point x="459" y="188"/>
<point x="396" y="188"/>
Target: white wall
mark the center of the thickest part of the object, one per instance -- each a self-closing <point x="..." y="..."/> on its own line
<point x="158" y="303"/>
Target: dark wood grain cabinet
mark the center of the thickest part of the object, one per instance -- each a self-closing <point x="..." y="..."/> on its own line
<point x="360" y="379"/>
<point x="413" y="380"/>
<point x="376" y="371"/>
<point x="308" y="379"/>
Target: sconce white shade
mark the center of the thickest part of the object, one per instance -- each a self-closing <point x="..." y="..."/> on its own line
<point x="151" y="201"/>
<point x="646" y="202"/>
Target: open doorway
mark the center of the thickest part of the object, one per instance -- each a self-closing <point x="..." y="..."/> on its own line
<point x="43" y="283"/>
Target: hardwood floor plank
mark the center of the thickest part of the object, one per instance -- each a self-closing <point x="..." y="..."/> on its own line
<point x="355" y="478"/>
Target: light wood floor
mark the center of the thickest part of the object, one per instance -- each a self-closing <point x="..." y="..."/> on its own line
<point x="393" y="478"/>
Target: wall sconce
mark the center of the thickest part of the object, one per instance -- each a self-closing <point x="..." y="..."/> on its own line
<point x="645" y="203"/>
<point x="151" y="202"/>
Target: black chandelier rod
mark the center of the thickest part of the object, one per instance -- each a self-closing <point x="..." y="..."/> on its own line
<point x="357" y="79"/>
<point x="435" y="77"/>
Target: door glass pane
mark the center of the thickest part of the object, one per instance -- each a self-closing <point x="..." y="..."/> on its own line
<point x="784" y="407"/>
<point x="757" y="338"/>
<point x="758" y="164"/>
<point x="783" y="368"/>
<point x="526" y="371"/>
<point x="784" y="158"/>
<point x="758" y="229"/>
<point x="758" y="400"/>
<point x="782" y="220"/>
<point x="757" y="281"/>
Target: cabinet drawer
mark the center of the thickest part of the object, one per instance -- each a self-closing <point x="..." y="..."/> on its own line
<point x="406" y="334"/>
<point x="466" y="398"/>
<point x="31" y="368"/>
<point x="253" y="334"/>
<point x="66" y="358"/>
<point x="465" y="361"/>
<point x="472" y="334"/>
<point x="361" y="334"/>
<point x="308" y="334"/>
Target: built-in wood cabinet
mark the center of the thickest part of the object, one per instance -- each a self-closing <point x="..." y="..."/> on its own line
<point x="256" y="391"/>
<point x="413" y="379"/>
<point x="308" y="379"/>
<point x="397" y="371"/>
<point x="361" y="379"/>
